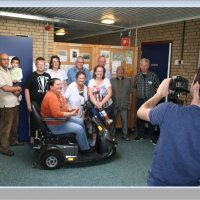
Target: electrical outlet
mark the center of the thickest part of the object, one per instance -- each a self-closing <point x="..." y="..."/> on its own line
<point x="178" y="62"/>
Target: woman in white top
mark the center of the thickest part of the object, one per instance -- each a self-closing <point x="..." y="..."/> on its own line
<point x="55" y="72"/>
<point x="100" y="93"/>
<point x="76" y="93"/>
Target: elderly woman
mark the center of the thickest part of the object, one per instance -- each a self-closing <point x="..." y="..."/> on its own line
<point x="100" y="92"/>
<point x="55" y="72"/>
<point x="54" y="105"/>
<point x="76" y="93"/>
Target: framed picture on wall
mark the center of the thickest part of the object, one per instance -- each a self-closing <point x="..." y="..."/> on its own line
<point x="62" y="55"/>
<point x="86" y="56"/>
<point x="74" y="53"/>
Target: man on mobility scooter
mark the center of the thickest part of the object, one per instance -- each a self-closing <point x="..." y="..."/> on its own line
<point x="56" y="135"/>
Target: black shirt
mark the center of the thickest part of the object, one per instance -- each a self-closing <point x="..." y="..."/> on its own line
<point x="38" y="85"/>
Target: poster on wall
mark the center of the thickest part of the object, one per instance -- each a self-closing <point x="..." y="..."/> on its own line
<point x="129" y="57"/>
<point x="106" y="54"/>
<point x="62" y="54"/>
<point x="115" y="64"/>
<point x="117" y="56"/>
<point x="86" y="56"/>
<point x="74" y="53"/>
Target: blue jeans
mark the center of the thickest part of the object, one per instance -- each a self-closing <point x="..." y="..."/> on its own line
<point x="72" y="125"/>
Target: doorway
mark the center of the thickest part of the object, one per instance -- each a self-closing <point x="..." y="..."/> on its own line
<point x="159" y="54"/>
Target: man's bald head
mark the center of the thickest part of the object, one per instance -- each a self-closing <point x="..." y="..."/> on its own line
<point x="4" y="60"/>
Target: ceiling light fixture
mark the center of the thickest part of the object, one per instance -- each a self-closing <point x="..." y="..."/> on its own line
<point x="61" y="32"/>
<point x="108" y="21"/>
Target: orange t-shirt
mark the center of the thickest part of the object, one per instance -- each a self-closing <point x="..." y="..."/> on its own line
<point x="53" y="105"/>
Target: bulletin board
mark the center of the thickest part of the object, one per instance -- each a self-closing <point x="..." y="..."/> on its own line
<point x="68" y="52"/>
<point x="115" y="56"/>
<point x="119" y="56"/>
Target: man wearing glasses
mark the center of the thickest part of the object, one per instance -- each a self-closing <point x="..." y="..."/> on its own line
<point x="77" y="68"/>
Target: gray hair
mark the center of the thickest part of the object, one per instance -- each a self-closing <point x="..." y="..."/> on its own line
<point x="145" y="60"/>
<point x="79" y="57"/>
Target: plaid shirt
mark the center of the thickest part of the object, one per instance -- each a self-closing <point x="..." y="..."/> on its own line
<point x="146" y="85"/>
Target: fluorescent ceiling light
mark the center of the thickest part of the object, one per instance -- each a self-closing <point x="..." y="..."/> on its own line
<point x="61" y="32"/>
<point x="107" y="21"/>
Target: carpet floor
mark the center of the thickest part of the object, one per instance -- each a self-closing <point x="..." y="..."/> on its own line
<point x="129" y="167"/>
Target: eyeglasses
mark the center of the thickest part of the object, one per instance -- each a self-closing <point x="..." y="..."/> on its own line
<point x="80" y="62"/>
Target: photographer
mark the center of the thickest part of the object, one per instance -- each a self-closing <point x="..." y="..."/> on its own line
<point x="176" y="157"/>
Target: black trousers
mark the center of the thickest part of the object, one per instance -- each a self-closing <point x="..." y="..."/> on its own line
<point x="142" y="130"/>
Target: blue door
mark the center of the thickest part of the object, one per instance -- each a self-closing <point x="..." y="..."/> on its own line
<point x="22" y="48"/>
<point x="159" y="55"/>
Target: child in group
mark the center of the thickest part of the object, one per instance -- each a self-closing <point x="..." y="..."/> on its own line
<point x="36" y="86"/>
<point x="16" y="74"/>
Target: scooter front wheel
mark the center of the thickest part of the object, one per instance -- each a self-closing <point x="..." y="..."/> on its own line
<point x="112" y="152"/>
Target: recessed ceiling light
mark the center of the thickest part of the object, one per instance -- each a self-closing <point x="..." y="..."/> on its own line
<point x="107" y="21"/>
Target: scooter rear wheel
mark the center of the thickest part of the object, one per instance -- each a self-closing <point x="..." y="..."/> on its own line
<point x="52" y="160"/>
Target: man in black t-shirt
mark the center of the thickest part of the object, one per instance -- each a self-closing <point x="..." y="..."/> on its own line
<point x="36" y="87"/>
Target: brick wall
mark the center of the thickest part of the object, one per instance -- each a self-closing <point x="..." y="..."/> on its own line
<point x="36" y="30"/>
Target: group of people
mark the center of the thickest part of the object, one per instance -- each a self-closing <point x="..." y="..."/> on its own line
<point x="176" y="155"/>
<point x="71" y="90"/>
